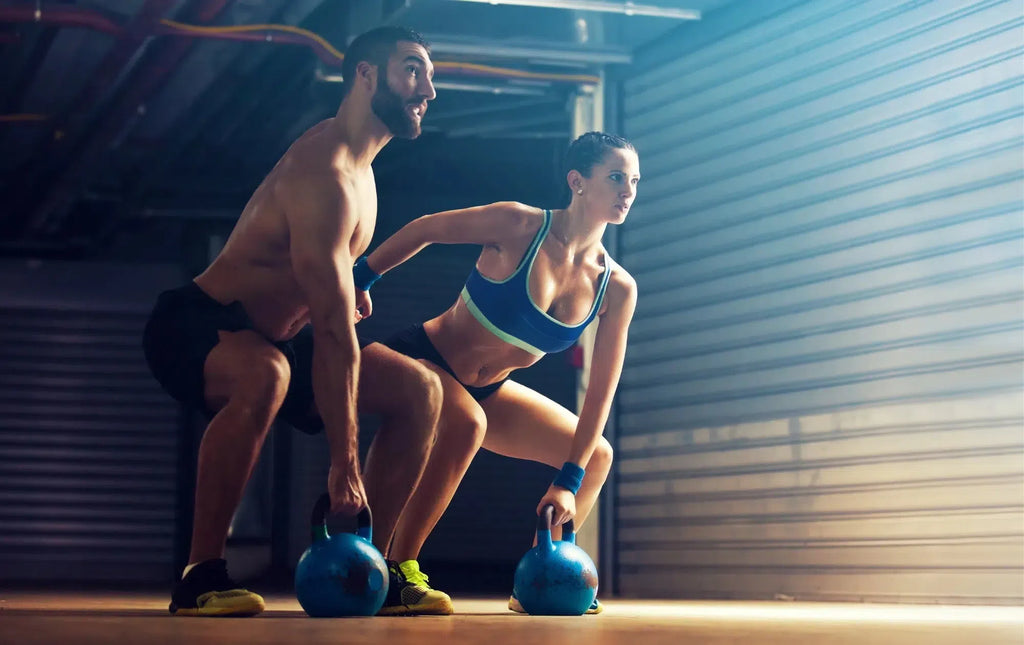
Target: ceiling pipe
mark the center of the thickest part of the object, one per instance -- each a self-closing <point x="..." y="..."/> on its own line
<point x="127" y="108"/>
<point x="72" y="124"/>
<point x="119" y="60"/>
<point x="332" y="58"/>
<point x="91" y="19"/>
<point x="64" y="16"/>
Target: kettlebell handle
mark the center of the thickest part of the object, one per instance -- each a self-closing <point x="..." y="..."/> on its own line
<point x="318" y="520"/>
<point x="547" y="517"/>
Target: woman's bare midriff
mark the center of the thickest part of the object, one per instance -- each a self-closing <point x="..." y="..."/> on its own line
<point x="477" y="356"/>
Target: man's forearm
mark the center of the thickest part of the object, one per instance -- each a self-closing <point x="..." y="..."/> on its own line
<point x="335" y="387"/>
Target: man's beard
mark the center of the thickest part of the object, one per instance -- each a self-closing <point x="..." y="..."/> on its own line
<point x="390" y="109"/>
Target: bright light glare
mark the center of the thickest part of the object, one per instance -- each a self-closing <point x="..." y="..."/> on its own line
<point x="628" y="8"/>
<point x="820" y="612"/>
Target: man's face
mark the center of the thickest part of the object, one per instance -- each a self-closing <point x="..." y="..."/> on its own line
<point x="403" y="89"/>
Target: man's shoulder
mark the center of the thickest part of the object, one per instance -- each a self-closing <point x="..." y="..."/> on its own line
<point x="309" y="170"/>
<point x="316" y="151"/>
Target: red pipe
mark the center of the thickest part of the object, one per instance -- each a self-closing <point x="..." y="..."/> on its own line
<point x="83" y="17"/>
<point x="88" y="18"/>
<point x="119" y="117"/>
<point x="65" y="16"/>
<point x="211" y="10"/>
<point x="133" y="36"/>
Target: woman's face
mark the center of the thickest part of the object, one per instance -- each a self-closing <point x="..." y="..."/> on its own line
<point x="611" y="187"/>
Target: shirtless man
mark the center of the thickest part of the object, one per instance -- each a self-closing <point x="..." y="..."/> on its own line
<point x="235" y="343"/>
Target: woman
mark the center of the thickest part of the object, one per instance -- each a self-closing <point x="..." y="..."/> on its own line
<point x="540" y="279"/>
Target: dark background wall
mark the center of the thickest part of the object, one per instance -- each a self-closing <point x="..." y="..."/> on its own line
<point x="89" y="444"/>
<point x="97" y="463"/>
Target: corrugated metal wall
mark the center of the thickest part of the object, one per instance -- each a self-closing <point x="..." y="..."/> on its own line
<point x="88" y="441"/>
<point x="822" y="396"/>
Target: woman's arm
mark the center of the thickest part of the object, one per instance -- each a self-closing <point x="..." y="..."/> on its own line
<point x="605" y="369"/>
<point x="485" y="225"/>
<point x="605" y="366"/>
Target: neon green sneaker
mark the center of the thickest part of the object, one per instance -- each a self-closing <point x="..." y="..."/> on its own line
<point x="409" y="593"/>
<point x="514" y="605"/>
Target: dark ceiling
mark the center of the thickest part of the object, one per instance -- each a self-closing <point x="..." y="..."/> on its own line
<point x="117" y="113"/>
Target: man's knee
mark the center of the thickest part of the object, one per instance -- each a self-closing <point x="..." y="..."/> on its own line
<point x="431" y="392"/>
<point x="467" y="428"/>
<point x="418" y="394"/>
<point x="268" y="378"/>
<point x="258" y="383"/>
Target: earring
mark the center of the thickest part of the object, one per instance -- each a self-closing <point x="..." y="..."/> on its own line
<point x="579" y="191"/>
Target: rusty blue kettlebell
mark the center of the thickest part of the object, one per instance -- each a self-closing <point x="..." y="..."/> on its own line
<point x="341" y="574"/>
<point x="555" y="578"/>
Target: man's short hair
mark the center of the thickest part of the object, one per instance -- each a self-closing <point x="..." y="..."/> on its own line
<point x="375" y="47"/>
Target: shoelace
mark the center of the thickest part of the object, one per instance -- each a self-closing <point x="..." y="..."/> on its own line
<point x="418" y="578"/>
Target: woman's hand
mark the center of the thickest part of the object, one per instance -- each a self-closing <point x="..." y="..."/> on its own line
<point x="563" y="501"/>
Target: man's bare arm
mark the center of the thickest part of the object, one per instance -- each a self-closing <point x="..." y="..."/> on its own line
<point x="320" y="227"/>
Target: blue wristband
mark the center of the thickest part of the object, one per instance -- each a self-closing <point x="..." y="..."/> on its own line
<point x="363" y="276"/>
<point x="570" y="477"/>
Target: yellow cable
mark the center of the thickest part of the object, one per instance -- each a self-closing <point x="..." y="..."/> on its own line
<point x="500" y="71"/>
<point x="518" y="73"/>
<point x="23" y="117"/>
<point x="244" y="28"/>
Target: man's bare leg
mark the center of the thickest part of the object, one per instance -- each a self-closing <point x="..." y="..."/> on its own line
<point x="247" y="379"/>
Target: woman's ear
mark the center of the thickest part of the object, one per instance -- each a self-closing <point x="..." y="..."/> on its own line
<point x="575" y="180"/>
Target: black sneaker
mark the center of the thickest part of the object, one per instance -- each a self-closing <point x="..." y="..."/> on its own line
<point x="409" y="593"/>
<point x="207" y="590"/>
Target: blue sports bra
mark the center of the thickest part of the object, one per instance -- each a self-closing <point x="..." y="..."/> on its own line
<point x="507" y="310"/>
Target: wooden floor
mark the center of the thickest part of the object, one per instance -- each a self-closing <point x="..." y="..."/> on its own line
<point x="124" y="619"/>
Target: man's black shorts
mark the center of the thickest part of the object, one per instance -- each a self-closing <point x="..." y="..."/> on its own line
<point x="181" y="331"/>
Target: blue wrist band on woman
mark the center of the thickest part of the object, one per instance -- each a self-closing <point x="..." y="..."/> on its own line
<point x="363" y="276"/>
<point x="570" y="477"/>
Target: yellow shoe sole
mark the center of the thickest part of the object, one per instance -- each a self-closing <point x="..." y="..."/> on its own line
<point x="236" y="602"/>
<point x="437" y="608"/>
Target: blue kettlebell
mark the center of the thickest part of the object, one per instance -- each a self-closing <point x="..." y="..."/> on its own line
<point x="342" y="574"/>
<point x="555" y="578"/>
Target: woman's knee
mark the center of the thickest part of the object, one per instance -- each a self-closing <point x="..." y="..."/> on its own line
<point x="601" y="460"/>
